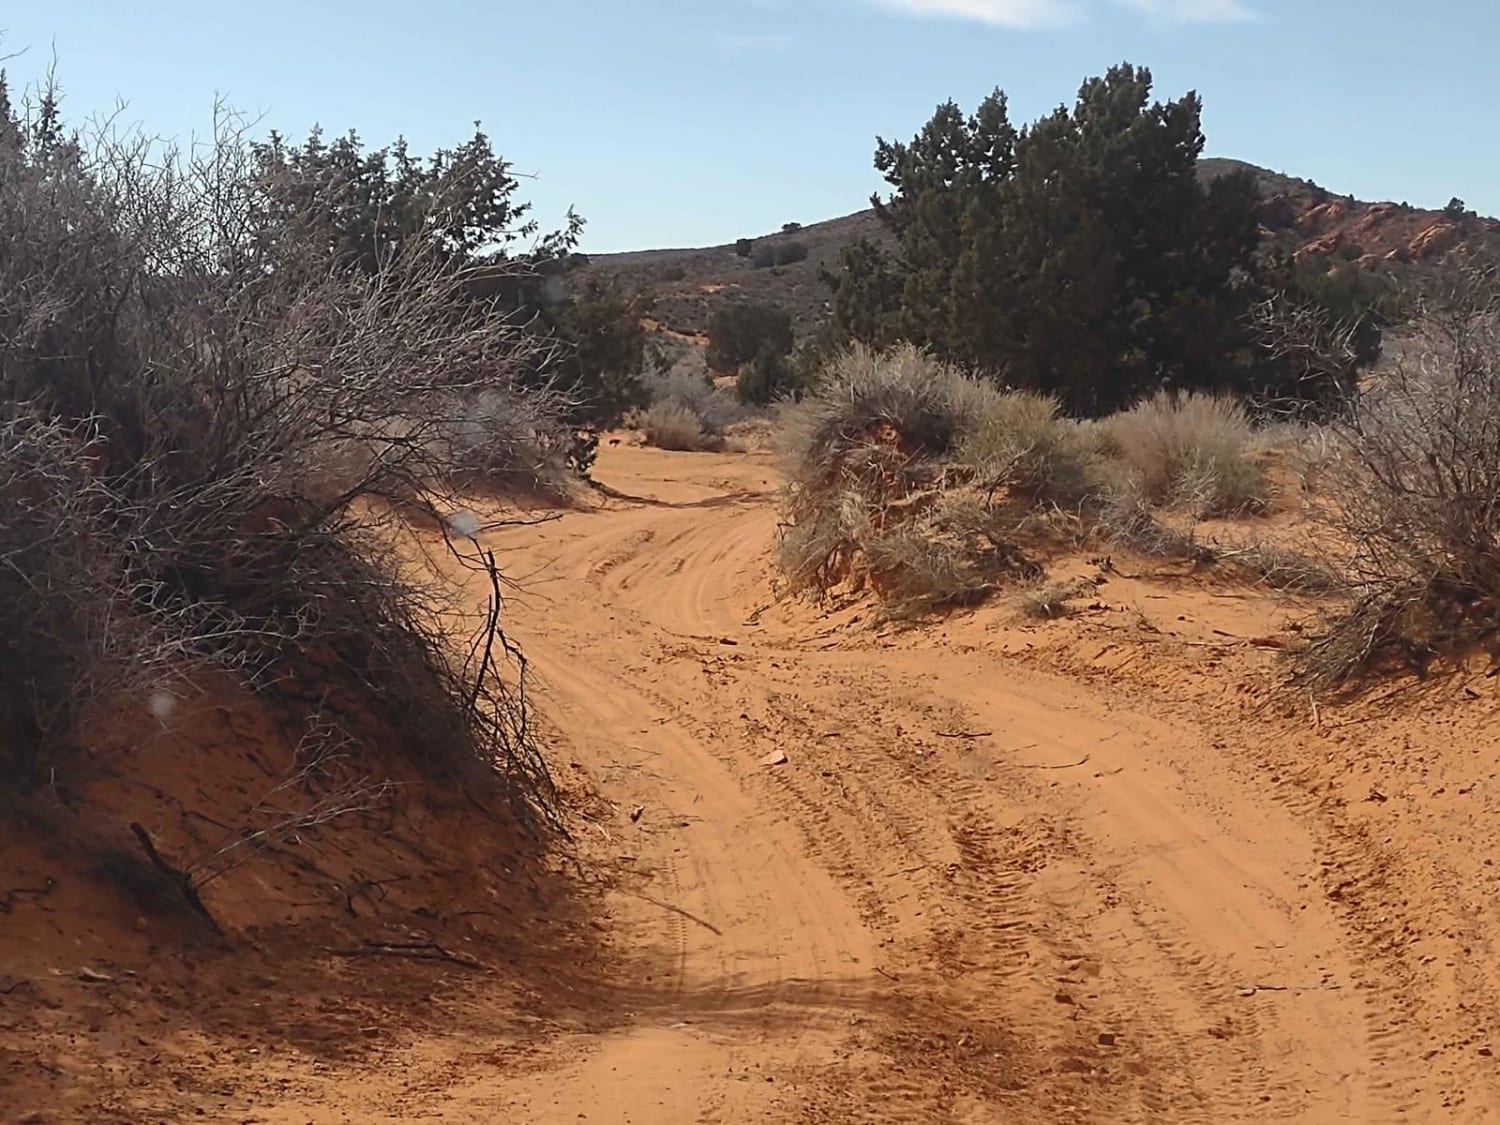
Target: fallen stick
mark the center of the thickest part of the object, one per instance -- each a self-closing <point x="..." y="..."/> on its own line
<point x="417" y="951"/>
<point x="1065" y="766"/>
<point x="709" y="926"/>
<point x="964" y="733"/>
<point x="183" y="880"/>
<point x="8" y="900"/>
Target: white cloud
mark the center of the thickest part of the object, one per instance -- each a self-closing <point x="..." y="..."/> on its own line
<point x="1001" y="13"/>
<point x="1051" y="13"/>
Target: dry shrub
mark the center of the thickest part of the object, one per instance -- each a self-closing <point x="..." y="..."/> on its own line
<point x="1414" y="487"/>
<point x="667" y="425"/>
<point x="1020" y="446"/>
<point x="1126" y="519"/>
<point x="937" y="485"/>
<point x="227" y="410"/>
<point x="862" y="451"/>
<point x="1049" y="600"/>
<point x="71" y="639"/>
<point x="887" y="418"/>
<point x="879" y="482"/>
<point x="1191" y="451"/>
<point x="687" y="412"/>
<point x="1280" y="568"/>
<point x="956" y="552"/>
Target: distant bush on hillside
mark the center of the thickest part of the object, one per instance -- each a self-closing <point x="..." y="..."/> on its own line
<point x="744" y="247"/>
<point x="739" y="333"/>
<point x="790" y="252"/>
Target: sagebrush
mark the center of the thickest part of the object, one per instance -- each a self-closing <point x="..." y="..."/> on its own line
<point x="211" y="418"/>
<point x="937" y="486"/>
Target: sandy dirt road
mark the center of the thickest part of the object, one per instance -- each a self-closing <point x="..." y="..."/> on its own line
<point x="984" y="869"/>
<point x="975" y="890"/>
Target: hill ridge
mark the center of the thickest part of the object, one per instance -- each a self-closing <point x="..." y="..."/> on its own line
<point x="1300" y="215"/>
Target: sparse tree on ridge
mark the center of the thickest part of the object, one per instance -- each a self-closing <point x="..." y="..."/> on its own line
<point x="1080" y="255"/>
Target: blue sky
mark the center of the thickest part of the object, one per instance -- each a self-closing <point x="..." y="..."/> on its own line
<point x="690" y="122"/>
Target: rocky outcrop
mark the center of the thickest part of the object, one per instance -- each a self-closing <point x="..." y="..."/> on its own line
<point x="1433" y="241"/>
<point x="1323" y="215"/>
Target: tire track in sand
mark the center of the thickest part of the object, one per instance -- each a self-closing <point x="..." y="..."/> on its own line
<point x="894" y="925"/>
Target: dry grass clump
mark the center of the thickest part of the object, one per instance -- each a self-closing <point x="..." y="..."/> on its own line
<point x="205" y="418"/>
<point x="667" y="425"/>
<point x="879" y="481"/>
<point x="1018" y="445"/>
<point x="1414" y="490"/>
<point x="934" y="484"/>
<point x="1049" y="600"/>
<point x="1281" y="568"/>
<point x="1191" y="451"/>
<point x="687" y="412"/>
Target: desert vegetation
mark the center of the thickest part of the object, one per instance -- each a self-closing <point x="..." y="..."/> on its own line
<point x="1410" y="486"/>
<point x="936" y="486"/>
<point x="687" y="411"/>
<point x="1107" y="484"/>
<point x="230" y="373"/>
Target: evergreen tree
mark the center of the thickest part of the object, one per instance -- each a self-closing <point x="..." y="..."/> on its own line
<point x="739" y="333"/>
<point x="463" y="201"/>
<point x="1080" y="255"/>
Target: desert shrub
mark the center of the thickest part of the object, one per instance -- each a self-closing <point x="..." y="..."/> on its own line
<point x="901" y="400"/>
<point x="790" y="252"/>
<point x="207" y="407"/>
<point x="716" y="407"/>
<point x="868" y="455"/>
<point x="740" y="332"/>
<point x="743" y="247"/>
<point x="1282" y="568"/>
<point x="1125" y="518"/>
<point x="460" y="207"/>
<point x="71" y="641"/>
<point x="766" y="378"/>
<point x="917" y="571"/>
<point x="687" y="412"/>
<point x="1021" y="446"/>
<point x="1191" y="450"/>
<point x="1413" y="483"/>
<point x="895" y="449"/>
<point x="668" y="425"/>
